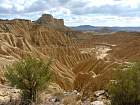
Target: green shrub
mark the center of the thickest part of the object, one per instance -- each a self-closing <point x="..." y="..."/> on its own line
<point x="125" y="89"/>
<point x="31" y="75"/>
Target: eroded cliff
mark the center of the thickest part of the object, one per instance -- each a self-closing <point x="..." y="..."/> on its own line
<point x="78" y="64"/>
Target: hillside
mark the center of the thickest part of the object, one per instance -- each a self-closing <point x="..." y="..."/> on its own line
<point x="82" y="64"/>
<point x="105" y="29"/>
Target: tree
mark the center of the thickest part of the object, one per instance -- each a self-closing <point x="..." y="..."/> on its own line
<point x="31" y="75"/>
<point x="125" y="89"/>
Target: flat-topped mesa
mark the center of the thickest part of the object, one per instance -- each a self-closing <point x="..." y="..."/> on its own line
<point x="21" y="20"/>
<point x="19" y="25"/>
<point x="15" y="21"/>
<point x="49" y="21"/>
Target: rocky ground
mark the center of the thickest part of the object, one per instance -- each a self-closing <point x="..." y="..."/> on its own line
<point x="75" y="98"/>
<point x="9" y="95"/>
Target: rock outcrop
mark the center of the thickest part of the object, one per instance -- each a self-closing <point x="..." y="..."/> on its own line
<point x="9" y="96"/>
<point x="75" y="65"/>
<point x="75" y="98"/>
<point x="20" y="38"/>
<point x="49" y="21"/>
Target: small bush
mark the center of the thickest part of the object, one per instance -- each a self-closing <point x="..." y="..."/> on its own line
<point x="31" y="75"/>
<point x="125" y="89"/>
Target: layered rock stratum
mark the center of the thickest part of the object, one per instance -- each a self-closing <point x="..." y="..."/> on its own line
<point x="49" y="21"/>
<point x="81" y="61"/>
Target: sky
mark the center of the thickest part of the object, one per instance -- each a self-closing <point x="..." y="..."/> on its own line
<point x="76" y="12"/>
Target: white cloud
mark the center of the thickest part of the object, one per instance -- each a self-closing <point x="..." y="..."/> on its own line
<point x="101" y="20"/>
<point x="131" y="3"/>
<point x="101" y="2"/>
<point x="5" y="4"/>
<point x="18" y="5"/>
<point x="59" y="12"/>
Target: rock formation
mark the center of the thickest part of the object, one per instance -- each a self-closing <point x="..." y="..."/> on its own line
<point x="76" y="65"/>
<point x="49" y="21"/>
<point x="74" y="98"/>
<point x="9" y="96"/>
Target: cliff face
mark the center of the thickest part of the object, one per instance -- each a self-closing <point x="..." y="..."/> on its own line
<point x="49" y="21"/>
<point x="75" y="65"/>
<point x="20" y="38"/>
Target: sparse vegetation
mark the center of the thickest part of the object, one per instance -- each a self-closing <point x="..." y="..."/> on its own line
<point x="31" y="75"/>
<point x="125" y="89"/>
